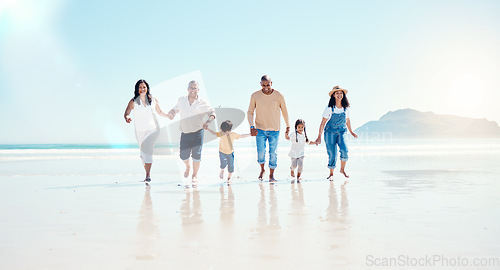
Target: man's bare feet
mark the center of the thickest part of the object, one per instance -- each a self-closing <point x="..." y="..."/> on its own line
<point x="271" y="176"/>
<point x="186" y="172"/>
<point x="194" y="181"/>
<point x="271" y="179"/>
<point x="261" y="175"/>
<point x="344" y="173"/>
<point x="330" y="177"/>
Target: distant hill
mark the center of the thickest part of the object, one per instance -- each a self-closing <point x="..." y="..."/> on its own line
<point x="409" y="123"/>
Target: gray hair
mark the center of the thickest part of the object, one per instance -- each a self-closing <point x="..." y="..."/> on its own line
<point x="193" y="82"/>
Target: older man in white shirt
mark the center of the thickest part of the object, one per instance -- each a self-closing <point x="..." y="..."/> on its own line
<point x="193" y="110"/>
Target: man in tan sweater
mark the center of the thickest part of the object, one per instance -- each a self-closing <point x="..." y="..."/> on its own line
<point x="267" y="104"/>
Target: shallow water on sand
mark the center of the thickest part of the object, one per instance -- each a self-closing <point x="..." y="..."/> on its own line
<point x="85" y="209"/>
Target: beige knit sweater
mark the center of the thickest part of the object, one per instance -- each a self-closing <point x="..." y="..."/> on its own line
<point x="267" y="110"/>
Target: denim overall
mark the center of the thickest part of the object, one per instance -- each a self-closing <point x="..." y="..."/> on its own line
<point x="335" y="132"/>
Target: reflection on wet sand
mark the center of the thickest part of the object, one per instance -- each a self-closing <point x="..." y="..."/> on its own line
<point x="228" y="233"/>
<point x="335" y="214"/>
<point x="298" y="211"/>
<point x="263" y="223"/>
<point x="193" y="244"/>
<point x="338" y="225"/>
<point x="297" y="205"/>
<point x="191" y="212"/>
<point x="298" y="241"/>
<point x="147" y="231"/>
<point x="226" y="207"/>
<point x="267" y="233"/>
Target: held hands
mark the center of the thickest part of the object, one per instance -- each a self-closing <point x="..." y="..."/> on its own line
<point x="354" y="134"/>
<point x="171" y="114"/>
<point x="207" y="123"/>
<point x="253" y="131"/>
<point x="318" y="140"/>
<point x="128" y="119"/>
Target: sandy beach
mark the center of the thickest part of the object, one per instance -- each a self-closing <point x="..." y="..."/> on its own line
<point x="405" y="202"/>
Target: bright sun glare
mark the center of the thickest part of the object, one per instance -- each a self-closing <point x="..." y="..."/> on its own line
<point x="465" y="92"/>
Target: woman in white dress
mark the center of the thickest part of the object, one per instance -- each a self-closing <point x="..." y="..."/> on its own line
<point x="146" y="125"/>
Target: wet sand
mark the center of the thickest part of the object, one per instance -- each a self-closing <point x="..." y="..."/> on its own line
<point x="415" y="204"/>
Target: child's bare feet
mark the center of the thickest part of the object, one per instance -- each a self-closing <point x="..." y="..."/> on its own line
<point x="292" y="173"/>
<point x="344" y="173"/>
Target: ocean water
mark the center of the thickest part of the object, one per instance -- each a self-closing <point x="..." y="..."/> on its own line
<point x="123" y="159"/>
<point x="406" y="201"/>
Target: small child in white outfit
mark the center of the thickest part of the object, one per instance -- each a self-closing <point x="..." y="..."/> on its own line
<point x="298" y="140"/>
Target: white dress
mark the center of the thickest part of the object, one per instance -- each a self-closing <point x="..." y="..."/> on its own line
<point x="147" y="129"/>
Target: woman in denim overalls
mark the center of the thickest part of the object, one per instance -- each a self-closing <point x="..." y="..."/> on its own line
<point x="335" y="123"/>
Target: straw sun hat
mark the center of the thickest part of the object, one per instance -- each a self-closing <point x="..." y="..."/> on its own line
<point x="337" y="88"/>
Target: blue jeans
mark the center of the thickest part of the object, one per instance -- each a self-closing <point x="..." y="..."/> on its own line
<point x="332" y="139"/>
<point x="227" y="160"/>
<point x="261" y="138"/>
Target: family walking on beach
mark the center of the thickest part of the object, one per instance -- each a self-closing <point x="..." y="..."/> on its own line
<point x="267" y="105"/>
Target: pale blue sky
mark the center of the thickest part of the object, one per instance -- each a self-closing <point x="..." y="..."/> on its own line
<point x="67" y="68"/>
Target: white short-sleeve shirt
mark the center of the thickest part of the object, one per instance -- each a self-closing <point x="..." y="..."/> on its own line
<point x="327" y="113"/>
<point x="193" y="115"/>
<point x="298" y="143"/>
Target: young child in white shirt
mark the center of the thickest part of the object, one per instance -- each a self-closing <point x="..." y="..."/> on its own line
<point x="298" y="140"/>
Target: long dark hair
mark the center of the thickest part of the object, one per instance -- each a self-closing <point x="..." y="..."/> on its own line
<point x="344" y="101"/>
<point x="298" y="122"/>
<point x="136" y="92"/>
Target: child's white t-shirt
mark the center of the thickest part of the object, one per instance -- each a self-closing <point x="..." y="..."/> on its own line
<point x="297" y="149"/>
<point x="327" y="113"/>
